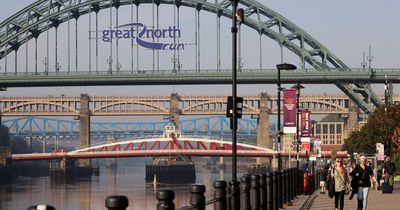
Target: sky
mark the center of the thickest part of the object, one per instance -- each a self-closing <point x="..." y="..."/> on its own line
<point x="346" y="28"/>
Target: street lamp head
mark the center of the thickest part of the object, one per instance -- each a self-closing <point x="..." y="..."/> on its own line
<point x="286" y="66"/>
<point x="298" y="86"/>
<point x="240" y="15"/>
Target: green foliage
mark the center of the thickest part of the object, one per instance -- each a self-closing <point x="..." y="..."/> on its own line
<point x="396" y="161"/>
<point x="379" y="128"/>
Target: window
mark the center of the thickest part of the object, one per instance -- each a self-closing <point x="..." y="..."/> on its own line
<point x="318" y="128"/>
<point x="339" y="141"/>
<point x="339" y="128"/>
<point x="332" y="128"/>
<point x="332" y="141"/>
<point x="324" y="128"/>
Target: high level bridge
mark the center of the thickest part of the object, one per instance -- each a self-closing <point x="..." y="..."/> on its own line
<point x="174" y="106"/>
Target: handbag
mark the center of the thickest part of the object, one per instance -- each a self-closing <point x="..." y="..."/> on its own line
<point x="347" y="190"/>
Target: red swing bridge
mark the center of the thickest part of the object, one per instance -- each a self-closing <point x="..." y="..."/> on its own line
<point x="205" y="147"/>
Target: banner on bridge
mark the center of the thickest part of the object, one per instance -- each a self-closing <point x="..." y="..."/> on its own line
<point x="289" y="111"/>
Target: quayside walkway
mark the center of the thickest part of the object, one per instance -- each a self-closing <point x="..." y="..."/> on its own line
<point x="376" y="201"/>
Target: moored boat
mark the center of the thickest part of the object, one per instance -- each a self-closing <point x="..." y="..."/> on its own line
<point x="176" y="169"/>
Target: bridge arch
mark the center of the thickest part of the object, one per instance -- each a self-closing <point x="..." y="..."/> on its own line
<point x="42" y="15"/>
<point x="218" y="106"/>
<point x="56" y="106"/>
<point x="155" y="141"/>
<point x="156" y="108"/>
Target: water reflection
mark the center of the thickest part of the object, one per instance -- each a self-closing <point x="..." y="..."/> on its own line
<point x="89" y="193"/>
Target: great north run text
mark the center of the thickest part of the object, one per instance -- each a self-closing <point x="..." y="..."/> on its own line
<point x="140" y="32"/>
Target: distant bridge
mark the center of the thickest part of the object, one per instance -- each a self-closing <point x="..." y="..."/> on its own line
<point x="51" y="128"/>
<point x="161" y="105"/>
<point x="160" y="147"/>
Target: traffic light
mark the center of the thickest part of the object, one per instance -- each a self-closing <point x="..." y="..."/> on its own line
<point x="239" y="107"/>
<point x="387" y="148"/>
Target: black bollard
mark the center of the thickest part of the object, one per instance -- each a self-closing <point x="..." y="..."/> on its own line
<point x="299" y="184"/>
<point x="270" y="191"/>
<point x="288" y="187"/>
<point x="197" y="198"/>
<point x="263" y="192"/>
<point x="291" y="184"/>
<point x="295" y="183"/>
<point x="220" y="194"/>
<point x="255" y="192"/>
<point x="41" y="207"/>
<point x="284" y="185"/>
<point x="275" y="190"/>
<point x="234" y="203"/>
<point x="116" y="202"/>
<point x="245" y="192"/>
<point x="165" y="200"/>
<point x="280" y="202"/>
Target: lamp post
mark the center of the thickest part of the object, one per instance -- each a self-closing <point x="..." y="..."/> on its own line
<point x="289" y="67"/>
<point x="313" y="122"/>
<point x="297" y="86"/>
<point x="387" y="149"/>
<point x="237" y="16"/>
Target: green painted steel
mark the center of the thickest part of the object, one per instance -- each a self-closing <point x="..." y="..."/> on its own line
<point x="44" y="14"/>
<point x="190" y="77"/>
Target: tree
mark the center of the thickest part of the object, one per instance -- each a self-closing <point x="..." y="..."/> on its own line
<point x="382" y="126"/>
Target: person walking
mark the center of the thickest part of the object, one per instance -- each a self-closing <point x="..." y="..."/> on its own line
<point x="323" y="175"/>
<point x="388" y="172"/>
<point x="363" y="174"/>
<point x="341" y="182"/>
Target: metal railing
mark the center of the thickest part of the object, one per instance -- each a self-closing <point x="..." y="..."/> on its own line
<point x="266" y="191"/>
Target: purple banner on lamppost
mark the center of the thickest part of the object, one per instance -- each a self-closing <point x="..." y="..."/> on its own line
<point x="289" y="111"/>
<point x="305" y="123"/>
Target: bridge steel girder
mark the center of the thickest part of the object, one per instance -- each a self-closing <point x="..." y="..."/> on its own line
<point x="51" y="128"/>
<point x="160" y="105"/>
<point x="36" y="18"/>
<point x="186" y="77"/>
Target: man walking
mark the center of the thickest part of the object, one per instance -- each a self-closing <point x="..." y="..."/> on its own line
<point x="388" y="172"/>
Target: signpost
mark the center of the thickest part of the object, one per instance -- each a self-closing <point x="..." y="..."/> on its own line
<point x="380" y="151"/>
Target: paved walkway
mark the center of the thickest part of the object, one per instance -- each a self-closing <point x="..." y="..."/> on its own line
<point x="376" y="201"/>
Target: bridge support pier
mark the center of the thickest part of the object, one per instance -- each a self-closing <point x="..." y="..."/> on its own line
<point x="352" y="119"/>
<point x="174" y="109"/>
<point x="111" y="162"/>
<point x="263" y="139"/>
<point x="84" y="127"/>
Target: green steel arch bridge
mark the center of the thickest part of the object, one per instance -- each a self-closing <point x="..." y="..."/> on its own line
<point x="21" y="32"/>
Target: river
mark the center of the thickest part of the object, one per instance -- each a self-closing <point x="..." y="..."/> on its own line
<point x="89" y="193"/>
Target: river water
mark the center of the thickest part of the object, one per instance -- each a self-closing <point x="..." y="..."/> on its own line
<point x="89" y="193"/>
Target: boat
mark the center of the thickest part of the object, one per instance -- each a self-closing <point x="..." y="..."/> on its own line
<point x="172" y="169"/>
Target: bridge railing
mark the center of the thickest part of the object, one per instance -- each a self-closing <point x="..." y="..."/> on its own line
<point x="266" y="191"/>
